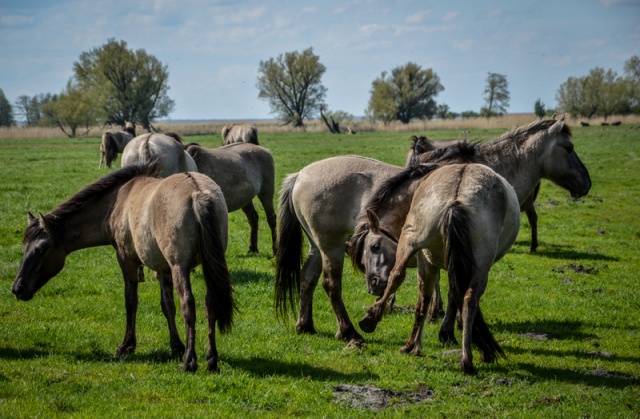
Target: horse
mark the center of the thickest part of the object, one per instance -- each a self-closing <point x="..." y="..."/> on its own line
<point x="167" y="148"/>
<point x="464" y="217"/>
<point x="170" y="225"/>
<point x="421" y="145"/>
<point x="114" y="141"/>
<point x="239" y="133"/>
<point x="243" y="171"/>
<point x="325" y="198"/>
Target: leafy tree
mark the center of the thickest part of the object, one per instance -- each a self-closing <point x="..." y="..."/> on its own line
<point x="444" y="112"/>
<point x="292" y="85"/>
<point x="539" y="109"/>
<point x="127" y="85"/>
<point x="71" y="110"/>
<point x="631" y="88"/>
<point x="6" y="111"/>
<point x="496" y="95"/>
<point x="469" y="114"/>
<point x="600" y="93"/>
<point x="410" y="89"/>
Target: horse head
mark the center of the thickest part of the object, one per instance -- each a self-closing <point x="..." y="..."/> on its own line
<point x="373" y="250"/>
<point x="561" y="163"/>
<point x="42" y="260"/>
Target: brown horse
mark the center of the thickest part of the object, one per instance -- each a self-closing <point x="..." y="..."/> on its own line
<point x="239" y="133"/>
<point x="114" y="142"/>
<point x="464" y="218"/>
<point x="170" y="225"/>
<point x="243" y="171"/>
<point x="167" y="149"/>
<point x="324" y="199"/>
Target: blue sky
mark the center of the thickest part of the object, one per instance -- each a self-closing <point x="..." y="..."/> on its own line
<point x="212" y="48"/>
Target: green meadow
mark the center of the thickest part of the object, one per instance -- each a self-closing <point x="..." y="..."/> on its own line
<point x="568" y="317"/>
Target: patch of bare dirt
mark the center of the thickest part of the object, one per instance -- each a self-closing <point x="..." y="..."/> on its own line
<point x="606" y="373"/>
<point x="580" y="269"/>
<point x="404" y="309"/>
<point x="367" y="397"/>
<point x="537" y="336"/>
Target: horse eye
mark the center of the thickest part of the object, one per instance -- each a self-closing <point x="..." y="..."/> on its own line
<point x="375" y="247"/>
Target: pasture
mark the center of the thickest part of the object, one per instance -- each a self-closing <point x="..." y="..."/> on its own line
<point x="566" y="317"/>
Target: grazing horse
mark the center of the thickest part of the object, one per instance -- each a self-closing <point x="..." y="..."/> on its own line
<point x="239" y="133"/>
<point x="166" y="148"/>
<point x="422" y="145"/>
<point x="170" y="225"/>
<point x="464" y="218"/>
<point x="243" y="171"/>
<point x="324" y="198"/>
<point x="114" y="141"/>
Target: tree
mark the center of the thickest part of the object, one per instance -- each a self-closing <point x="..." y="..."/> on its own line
<point x="444" y="112"/>
<point x="292" y="84"/>
<point x="336" y="118"/>
<point x="496" y="95"/>
<point x="127" y="85"/>
<point x="409" y="93"/>
<point x="74" y="108"/>
<point x="6" y="111"/>
<point x="632" y="84"/>
<point x="28" y="109"/>
<point x="539" y="109"/>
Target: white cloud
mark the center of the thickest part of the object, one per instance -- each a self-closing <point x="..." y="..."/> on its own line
<point x="16" y="20"/>
<point x="417" y="17"/>
<point x="450" y="16"/>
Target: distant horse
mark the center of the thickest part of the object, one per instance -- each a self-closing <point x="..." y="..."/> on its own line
<point x="170" y="225"/>
<point x="114" y="141"/>
<point x="324" y="200"/>
<point x="239" y="133"/>
<point x="422" y="145"/>
<point x="166" y="148"/>
<point x="243" y="171"/>
<point x="464" y="218"/>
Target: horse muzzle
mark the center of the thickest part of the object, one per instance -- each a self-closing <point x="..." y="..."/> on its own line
<point x="376" y="285"/>
<point x="22" y="293"/>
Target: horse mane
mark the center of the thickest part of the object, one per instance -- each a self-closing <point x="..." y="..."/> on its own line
<point x="523" y="132"/>
<point x="56" y="219"/>
<point x="175" y="136"/>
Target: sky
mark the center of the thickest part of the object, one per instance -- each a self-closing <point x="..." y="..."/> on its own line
<point x="213" y="48"/>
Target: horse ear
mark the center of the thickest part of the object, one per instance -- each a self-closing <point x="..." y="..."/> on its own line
<point x="43" y="222"/>
<point x="557" y="127"/>
<point x="30" y="218"/>
<point x="374" y="221"/>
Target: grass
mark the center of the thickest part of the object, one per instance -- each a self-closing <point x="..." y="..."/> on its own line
<point x="572" y="338"/>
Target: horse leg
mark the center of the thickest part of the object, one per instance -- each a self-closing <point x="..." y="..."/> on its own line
<point x="309" y="276"/>
<point x="332" y="265"/>
<point x="470" y="307"/>
<point x="446" y="333"/>
<point x="428" y="276"/>
<point x="252" y="217"/>
<point x="212" y="352"/>
<point x="532" y="216"/>
<point x="130" y="275"/>
<point x="182" y="286"/>
<point x="269" y="210"/>
<point x="436" y="310"/>
<point x="168" y="305"/>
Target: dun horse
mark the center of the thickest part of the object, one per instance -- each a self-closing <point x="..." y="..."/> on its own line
<point x="239" y="133"/>
<point x="465" y="217"/>
<point x="167" y="149"/>
<point x="114" y="142"/>
<point x="170" y="225"/>
<point x="243" y="171"/>
<point x="324" y="198"/>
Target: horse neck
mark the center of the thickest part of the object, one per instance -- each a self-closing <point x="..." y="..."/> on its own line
<point x="518" y="161"/>
<point x="393" y="212"/>
<point x="86" y="227"/>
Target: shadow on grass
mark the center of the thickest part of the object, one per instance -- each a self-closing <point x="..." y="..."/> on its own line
<point x="573" y="353"/>
<point x="554" y="329"/>
<point x="588" y="378"/>
<point x="245" y="276"/>
<point x="266" y="367"/>
<point x="557" y="251"/>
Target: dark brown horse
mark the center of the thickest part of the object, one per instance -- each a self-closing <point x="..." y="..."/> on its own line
<point x="169" y="225"/>
<point x="114" y="142"/>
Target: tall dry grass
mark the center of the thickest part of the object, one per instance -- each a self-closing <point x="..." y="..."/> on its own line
<point x="272" y="126"/>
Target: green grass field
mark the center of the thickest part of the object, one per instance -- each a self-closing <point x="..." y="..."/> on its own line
<point x="567" y="317"/>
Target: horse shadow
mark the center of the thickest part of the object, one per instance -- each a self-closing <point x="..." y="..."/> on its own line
<point x="558" y="251"/>
<point x="552" y="329"/>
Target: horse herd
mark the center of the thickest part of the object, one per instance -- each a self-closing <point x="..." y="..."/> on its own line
<point x="455" y="207"/>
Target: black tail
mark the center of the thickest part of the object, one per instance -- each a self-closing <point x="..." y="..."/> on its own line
<point x="111" y="148"/>
<point x="214" y="266"/>
<point x="460" y="265"/>
<point x="288" y="252"/>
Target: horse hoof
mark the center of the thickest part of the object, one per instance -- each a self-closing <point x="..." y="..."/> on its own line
<point x="467" y="368"/>
<point x="305" y="329"/>
<point x="191" y="366"/>
<point x="125" y="349"/>
<point x="212" y="366"/>
<point x="447" y="338"/>
<point x="368" y="324"/>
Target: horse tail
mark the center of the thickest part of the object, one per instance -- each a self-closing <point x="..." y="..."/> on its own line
<point x="288" y="251"/>
<point x="220" y="292"/>
<point x="110" y="148"/>
<point x="459" y="262"/>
